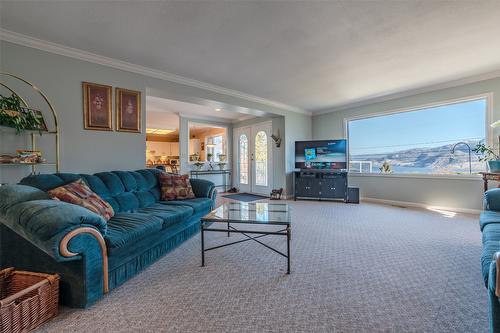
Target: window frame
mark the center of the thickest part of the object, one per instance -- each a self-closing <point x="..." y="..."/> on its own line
<point x="488" y="130"/>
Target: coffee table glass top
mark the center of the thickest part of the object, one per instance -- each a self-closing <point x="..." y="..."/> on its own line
<point x="253" y="213"/>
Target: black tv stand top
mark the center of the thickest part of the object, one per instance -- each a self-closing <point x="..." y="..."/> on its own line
<point x="320" y="171"/>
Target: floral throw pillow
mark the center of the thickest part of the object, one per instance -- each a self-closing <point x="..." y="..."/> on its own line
<point x="175" y="187"/>
<point x="78" y="193"/>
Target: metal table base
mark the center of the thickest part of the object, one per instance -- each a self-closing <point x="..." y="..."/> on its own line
<point x="230" y="229"/>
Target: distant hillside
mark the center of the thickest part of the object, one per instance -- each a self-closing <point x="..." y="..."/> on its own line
<point x="435" y="160"/>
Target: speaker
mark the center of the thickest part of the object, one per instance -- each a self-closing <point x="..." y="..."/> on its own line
<point x="353" y="195"/>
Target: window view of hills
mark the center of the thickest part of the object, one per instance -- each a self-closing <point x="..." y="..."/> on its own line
<point x="428" y="160"/>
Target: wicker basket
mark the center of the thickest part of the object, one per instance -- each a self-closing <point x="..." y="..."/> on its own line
<point x="26" y="299"/>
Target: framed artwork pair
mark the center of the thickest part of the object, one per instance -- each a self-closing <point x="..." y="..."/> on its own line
<point x="98" y="103"/>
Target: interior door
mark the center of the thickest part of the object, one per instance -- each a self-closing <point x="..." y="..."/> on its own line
<point x="242" y="137"/>
<point x="261" y="158"/>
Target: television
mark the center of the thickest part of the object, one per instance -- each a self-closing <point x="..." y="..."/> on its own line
<point x="321" y="154"/>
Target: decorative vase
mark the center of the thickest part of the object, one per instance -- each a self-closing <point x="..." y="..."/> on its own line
<point x="494" y="166"/>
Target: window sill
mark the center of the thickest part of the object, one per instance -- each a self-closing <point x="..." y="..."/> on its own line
<point x="418" y="176"/>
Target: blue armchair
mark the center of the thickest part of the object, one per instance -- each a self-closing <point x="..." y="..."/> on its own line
<point x="489" y="222"/>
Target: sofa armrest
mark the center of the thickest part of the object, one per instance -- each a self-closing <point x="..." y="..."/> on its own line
<point x="45" y="222"/>
<point x="202" y="188"/>
<point x="62" y="230"/>
<point x="492" y="199"/>
<point x="11" y="195"/>
<point x="213" y="197"/>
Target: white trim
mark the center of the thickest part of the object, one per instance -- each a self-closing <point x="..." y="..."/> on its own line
<point x="417" y="175"/>
<point x="25" y="40"/>
<point x="488" y="130"/>
<point x="420" y="205"/>
<point x="384" y="97"/>
<point x="488" y="96"/>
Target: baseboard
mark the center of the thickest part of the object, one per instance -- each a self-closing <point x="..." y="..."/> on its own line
<point x="420" y="205"/>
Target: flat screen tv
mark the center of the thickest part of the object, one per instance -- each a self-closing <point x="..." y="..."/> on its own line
<point x="321" y="154"/>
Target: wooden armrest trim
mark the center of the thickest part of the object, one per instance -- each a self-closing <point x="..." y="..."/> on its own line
<point x="65" y="252"/>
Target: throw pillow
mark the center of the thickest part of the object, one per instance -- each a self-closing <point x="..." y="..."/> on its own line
<point x="78" y="193"/>
<point x="175" y="187"/>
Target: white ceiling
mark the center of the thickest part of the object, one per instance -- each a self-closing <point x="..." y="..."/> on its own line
<point x="156" y="107"/>
<point x="309" y="54"/>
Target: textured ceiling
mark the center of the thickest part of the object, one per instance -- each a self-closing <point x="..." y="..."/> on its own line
<point x="309" y="54"/>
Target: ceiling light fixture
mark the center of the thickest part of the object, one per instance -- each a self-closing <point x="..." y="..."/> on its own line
<point x="218" y="109"/>
<point x="158" y="131"/>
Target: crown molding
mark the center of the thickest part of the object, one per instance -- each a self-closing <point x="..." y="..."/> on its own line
<point x="407" y="93"/>
<point x="40" y="44"/>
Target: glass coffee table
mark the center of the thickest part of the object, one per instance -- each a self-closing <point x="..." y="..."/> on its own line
<point x="240" y="213"/>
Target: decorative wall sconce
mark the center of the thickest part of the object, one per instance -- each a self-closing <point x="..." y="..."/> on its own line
<point x="277" y="139"/>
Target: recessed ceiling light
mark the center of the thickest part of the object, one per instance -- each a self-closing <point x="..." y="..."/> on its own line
<point x="218" y="109"/>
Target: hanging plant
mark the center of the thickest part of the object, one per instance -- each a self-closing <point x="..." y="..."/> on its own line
<point x="12" y="114"/>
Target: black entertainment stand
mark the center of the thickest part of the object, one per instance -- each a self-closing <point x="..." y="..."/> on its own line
<point x="321" y="185"/>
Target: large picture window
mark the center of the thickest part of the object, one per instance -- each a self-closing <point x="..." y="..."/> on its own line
<point x="431" y="140"/>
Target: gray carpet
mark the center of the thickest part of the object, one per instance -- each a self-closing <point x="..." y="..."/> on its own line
<point x="355" y="268"/>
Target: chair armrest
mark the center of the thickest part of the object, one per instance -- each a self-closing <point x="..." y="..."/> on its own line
<point x="492" y="199"/>
<point x="202" y="188"/>
<point x="494" y="275"/>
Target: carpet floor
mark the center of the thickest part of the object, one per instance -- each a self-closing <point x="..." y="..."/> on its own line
<point x="355" y="268"/>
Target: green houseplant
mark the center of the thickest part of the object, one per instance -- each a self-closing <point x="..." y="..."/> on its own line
<point x="488" y="154"/>
<point x="385" y="168"/>
<point x="12" y="114"/>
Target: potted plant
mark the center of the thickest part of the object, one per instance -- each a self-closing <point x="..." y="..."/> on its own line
<point x="210" y="157"/>
<point x="385" y="168"/>
<point x="488" y="154"/>
<point x="12" y="114"/>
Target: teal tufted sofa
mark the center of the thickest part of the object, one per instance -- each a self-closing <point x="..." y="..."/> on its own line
<point x="489" y="222"/>
<point x="93" y="256"/>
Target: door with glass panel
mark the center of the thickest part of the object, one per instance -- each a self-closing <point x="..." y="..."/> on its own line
<point x="254" y="160"/>
<point x="242" y="138"/>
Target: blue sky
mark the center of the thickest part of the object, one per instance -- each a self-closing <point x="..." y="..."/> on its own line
<point x="431" y="127"/>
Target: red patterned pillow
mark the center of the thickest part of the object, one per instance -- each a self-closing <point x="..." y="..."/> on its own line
<point x="80" y="194"/>
<point x="175" y="187"/>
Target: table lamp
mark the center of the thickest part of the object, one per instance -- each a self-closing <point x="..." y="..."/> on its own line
<point x="494" y="125"/>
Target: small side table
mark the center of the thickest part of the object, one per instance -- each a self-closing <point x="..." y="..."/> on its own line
<point x="489" y="176"/>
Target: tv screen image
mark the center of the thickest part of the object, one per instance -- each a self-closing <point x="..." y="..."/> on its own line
<point x="310" y="153"/>
<point x="321" y="154"/>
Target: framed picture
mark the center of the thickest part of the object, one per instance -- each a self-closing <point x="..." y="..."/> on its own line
<point x="97" y="106"/>
<point x="128" y="110"/>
